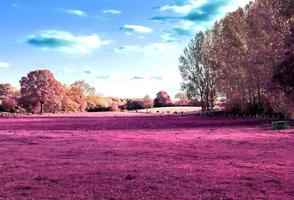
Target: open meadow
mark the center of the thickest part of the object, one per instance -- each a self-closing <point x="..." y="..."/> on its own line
<point x="135" y="156"/>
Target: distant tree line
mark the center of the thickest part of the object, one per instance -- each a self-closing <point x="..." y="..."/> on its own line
<point x="40" y="92"/>
<point x="247" y="57"/>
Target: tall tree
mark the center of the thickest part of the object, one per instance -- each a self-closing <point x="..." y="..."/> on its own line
<point x="40" y="89"/>
<point x="197" y="73"/>
<point x="247" y="46"/>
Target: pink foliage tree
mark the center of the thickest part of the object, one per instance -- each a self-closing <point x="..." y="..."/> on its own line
<point x="9" y="104"/>
<point x="41" y="91"/>
<point x="162" y="99"/>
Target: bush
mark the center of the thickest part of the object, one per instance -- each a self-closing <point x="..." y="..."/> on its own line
<point x="114" y="106"/>
<point x="9" y="104"/>
<point x="134" y="105"/>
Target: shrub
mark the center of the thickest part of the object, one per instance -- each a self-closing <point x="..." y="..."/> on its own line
<point x="114" y="106"/>
<point x="134" y="105"/>
<point x="9" y="104"/>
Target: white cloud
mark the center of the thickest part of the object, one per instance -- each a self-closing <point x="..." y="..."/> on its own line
<point x="168" y="37"/>
<point x="112" y="11"/>
<point x="234" y="5"/>
<point x="76" y="12"/>
<point x="4" y="64"/>
<point x="151" y="48"/>
<point x="185" y="8"/>
<point x="128" y="48"/>
<point x="92" y="72"/>
<point x="67" y="71"/>
<point x="137" y="28"/>
<point x="66" y="42"/>
<point x="189" y="25"/>
<point x="128" y="33"/>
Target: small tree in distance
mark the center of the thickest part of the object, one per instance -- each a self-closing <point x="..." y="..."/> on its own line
<point x="82" y="94"/>
<point x="182" y="99"/>
<point x="7" y="90"/>
<point x="148" y="102"/>
<point x="162" y="99"/>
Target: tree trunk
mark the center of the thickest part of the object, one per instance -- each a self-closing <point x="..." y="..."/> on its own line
<point x="258" y="97"/>
<point x="207" y="100"/>
<point x="41" y="107"/>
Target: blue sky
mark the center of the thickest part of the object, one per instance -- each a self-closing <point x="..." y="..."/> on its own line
<point x="125" y="48"/>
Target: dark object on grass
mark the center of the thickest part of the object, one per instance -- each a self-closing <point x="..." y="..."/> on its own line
<point x="280" y="125"/>
<point x="130" y="177"/>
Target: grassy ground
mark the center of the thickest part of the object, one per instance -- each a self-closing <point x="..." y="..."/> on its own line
<point x="135" y="156"/>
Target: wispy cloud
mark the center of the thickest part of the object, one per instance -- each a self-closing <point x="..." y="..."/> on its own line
<point x="75" y="12"/>
<point x="156" y="78"/>
<point x="183" y="8"/>
<point x="112" y="11"/>
<point x="103" y="77"/>
<point x="136" y="28"/>
<point x="92" y="72"/>
<point x="200" y="11"/>
<point x="185" y="28"/>
<point x="137" y="78"/>
<point x="66" y="42"/>
<point x="96" y="74"/>
<point x="4" y="64"/>
<point x="67" y="71"/>
<point x="128" y="48"/>
<point x="150" y="48"/>
<point x="168" y="37"/>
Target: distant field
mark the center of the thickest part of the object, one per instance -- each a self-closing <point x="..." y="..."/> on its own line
<point x="113" y="156"/>
<point x="171" y="110"/>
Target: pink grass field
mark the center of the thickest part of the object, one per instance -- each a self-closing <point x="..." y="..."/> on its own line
<point x="109" y="156"/>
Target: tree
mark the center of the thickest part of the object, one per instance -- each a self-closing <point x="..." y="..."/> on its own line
<point x="83" y="88"/>
<point x="7" y="90"/>
<point x="182" y="98"/>
<point x="162" y="99"/>
<point x="285" y="75"/>
<point x="197" y="73"/>
<point x="9" y="104"/>
<point x="8" y="97"/>
<point x="40" y="89"/>
<point x="81" y="93"/>
<point x="148" y="102"/>
<point x="114" y="106"/>
<point x="239" y="56"/>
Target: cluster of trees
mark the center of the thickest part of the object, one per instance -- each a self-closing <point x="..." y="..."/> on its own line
<point x="248" y="57"/>
<point x="40" y="92"/>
